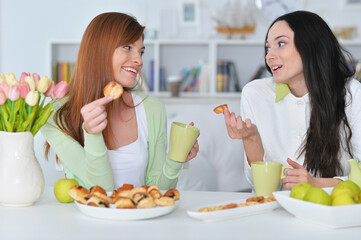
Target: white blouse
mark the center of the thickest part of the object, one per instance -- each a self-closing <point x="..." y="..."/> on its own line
<point x="129" y="162"/>
<point x="283" y="125"/>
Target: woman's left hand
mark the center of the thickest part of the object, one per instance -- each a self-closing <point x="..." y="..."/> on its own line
<point x="194" y="151"/>
<point x="297" y="175"/>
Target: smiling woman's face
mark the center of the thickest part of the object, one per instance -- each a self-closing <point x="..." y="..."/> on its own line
<point x="282" y="56"/>
<point x="127" y="62"/>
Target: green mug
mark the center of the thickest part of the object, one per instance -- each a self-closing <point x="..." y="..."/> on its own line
<point x="182" y="138"/>
<point x="266" y="177"/>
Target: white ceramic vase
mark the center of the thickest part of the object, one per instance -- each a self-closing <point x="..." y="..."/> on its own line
<point x="21" y="177"/>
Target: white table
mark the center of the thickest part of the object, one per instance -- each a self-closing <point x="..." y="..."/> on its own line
<point x="48" y="219"/>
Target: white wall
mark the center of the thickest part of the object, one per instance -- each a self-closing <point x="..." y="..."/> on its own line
<point x="26" y="27"/>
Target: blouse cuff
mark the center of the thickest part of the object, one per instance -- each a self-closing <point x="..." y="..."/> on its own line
<point x="172" y="169"/>
<point x="94" y="143"/>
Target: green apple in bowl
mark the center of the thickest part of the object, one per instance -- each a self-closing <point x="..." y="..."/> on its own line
<point x="318" y="195"/>
<point x="61" y="188"/>
<point x="300" y="189"/>
<point x="349" y="184"/>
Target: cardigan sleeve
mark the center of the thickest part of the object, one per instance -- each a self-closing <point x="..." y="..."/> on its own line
<point x="89" y="165"/>
<point x="161" y="171"/>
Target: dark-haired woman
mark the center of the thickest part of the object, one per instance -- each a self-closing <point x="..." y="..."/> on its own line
<point x="308" y="115"/>
<point x="104" y="141"/>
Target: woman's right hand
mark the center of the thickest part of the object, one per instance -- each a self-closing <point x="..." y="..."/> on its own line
<point x="95" y="116"/>
<point x="237" y="128"/>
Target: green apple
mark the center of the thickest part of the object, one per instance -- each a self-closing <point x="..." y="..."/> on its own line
<point x="343" y="199"/>
<point x="350" y="184"/>
<point x="343" y="190"/>
<point x="300" y="189"/>
<point x="61" y="188"/>
<point x="318" y="195"/>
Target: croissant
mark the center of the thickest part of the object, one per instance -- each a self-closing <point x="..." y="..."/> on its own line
<point x="164" y="201"/>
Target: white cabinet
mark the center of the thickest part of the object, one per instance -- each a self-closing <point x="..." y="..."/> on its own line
<point x="169" y="57"/>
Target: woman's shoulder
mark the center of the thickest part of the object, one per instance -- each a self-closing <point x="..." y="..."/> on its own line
<point x="259" y="86"/>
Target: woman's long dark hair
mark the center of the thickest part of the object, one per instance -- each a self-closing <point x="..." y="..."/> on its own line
<point x="326" y="70"/>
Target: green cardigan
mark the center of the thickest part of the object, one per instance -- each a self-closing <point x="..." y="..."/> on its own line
<point x="90" y="165"/>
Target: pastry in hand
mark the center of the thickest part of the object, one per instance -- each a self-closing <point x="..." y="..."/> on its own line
<point x="220" y="109"/>
<point x="113" y="90"/>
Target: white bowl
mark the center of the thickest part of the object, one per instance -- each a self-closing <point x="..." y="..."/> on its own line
<point x="329" y="216"/>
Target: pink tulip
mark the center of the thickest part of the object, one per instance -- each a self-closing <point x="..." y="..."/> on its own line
<point x="24" y="89"/>
<point x="36" y="78"/>
<point x="14" y="92"/>
<point x="2" y="97"/>
<point x="5" y="87"/>
<point x="60" y="90"/>
<point x="50" y="90"/>
<point x="23" y="76"/>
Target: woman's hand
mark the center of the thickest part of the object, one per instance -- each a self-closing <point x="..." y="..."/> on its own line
<point x="95" y="116"/>
<point x="237" y="128"/>
<point x="297" y="175"/>
<point x="193" y="153"/>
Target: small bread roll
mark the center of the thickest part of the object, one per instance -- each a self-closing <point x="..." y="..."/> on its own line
<point x="220" y="109"/>
<point x="124" y="202"/>
<point x="147" y="202"/>
<point x="97" y="202"/>
<point x="172" y="193"/>
<point x="113" y="89"/>
<point x="164" y="201"/>
<point x="78" y="193"/>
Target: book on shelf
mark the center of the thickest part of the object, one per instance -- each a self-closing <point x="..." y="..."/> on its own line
<point x="260" y="73"/>
<point x="227" y="77"/>
<point x="62" y="71"/>
<point x="151" y="75"/>
<point x="195" y="79"/>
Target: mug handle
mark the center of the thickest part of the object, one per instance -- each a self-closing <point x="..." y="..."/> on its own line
<point x="283" y="171"/>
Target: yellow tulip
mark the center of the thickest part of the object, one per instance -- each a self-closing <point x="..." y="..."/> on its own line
<point x="32" y="98"/>
<point x="2" y="77"/>
<point x="43" y="84"/>
<point x="11" y="79"/>
<point x="31" y="82"/>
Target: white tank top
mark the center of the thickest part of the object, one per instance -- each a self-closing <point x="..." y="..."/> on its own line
<point x="129" y="162"/>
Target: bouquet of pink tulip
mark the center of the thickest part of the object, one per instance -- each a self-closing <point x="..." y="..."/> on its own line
<point x="22" y="102"/>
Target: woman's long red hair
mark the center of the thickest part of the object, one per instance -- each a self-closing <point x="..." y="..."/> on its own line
<point x="93" y="70"/>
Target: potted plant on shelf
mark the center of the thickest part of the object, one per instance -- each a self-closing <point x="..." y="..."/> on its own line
<point x="24" y="109"/>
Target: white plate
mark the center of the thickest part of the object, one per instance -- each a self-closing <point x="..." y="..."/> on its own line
<point x="113" y="213"/>
<point x="329" y="216"/>
<point x="232" y="212"/>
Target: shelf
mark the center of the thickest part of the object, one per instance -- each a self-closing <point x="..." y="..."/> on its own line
<point x="172" y="55"/>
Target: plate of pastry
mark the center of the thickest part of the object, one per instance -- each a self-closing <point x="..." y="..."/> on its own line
<point x="125" y="203"/>
<point x="233" y="209"/>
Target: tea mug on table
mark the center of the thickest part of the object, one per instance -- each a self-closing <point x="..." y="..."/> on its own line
<point x="182" y="138"/>
<point x="266" y="177"/>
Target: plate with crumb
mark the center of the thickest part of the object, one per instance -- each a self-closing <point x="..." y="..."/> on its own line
<point x="113" y="213"/>
<point x="233" y="209"/>
<point x="125" y="203"/>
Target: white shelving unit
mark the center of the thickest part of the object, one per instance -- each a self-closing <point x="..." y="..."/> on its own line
<point x="173" y="55"/>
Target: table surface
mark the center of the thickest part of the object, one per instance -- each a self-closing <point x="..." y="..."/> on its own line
<point x="49" y="219"/>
